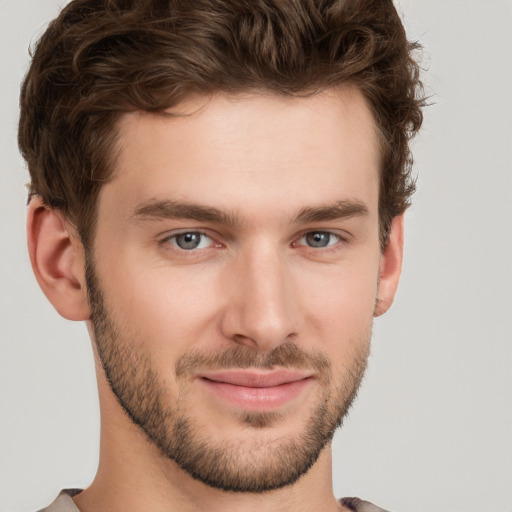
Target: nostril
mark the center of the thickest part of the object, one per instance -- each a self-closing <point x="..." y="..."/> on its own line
<point x="245" y="340"/>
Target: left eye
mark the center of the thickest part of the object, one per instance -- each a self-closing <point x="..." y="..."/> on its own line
<point x="190" y="240"/>
<point x="319" y="239"/>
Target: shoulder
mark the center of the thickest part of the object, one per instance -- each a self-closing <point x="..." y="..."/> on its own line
<point x="358" y="505"/>
<point x="64" y="502"/>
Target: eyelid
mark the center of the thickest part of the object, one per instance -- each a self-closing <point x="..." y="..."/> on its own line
<point x="342" y="235"/>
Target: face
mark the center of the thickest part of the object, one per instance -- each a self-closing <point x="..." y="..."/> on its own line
<point x="234" y="279"/>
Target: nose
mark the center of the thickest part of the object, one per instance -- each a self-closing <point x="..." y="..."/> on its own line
<point x="262" y="308"/>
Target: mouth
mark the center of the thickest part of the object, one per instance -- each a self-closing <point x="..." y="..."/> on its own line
<point x="255" y="390"/>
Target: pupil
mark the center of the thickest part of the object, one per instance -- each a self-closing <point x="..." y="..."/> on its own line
<point x="188" y="240"/>
<point x="318" y="239"/>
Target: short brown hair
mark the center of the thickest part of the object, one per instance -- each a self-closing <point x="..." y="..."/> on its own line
<point x="101" y="58"/>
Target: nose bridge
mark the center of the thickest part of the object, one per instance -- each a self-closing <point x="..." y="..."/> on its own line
<point x="262" y="311"/>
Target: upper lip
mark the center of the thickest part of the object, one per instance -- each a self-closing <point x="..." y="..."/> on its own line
<point x="255" y="378"/>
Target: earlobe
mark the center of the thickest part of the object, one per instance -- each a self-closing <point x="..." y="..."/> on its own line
<point x="390" y="267"/>
<point x="57" y="259"/>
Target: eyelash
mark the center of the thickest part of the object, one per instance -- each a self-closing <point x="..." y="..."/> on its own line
<point x="172" y="240"/>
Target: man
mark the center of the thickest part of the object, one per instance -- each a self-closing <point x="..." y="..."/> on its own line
<point x="218" y="190"/>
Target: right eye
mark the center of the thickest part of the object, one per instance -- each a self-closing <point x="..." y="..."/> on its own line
<point x="190" y="240"/>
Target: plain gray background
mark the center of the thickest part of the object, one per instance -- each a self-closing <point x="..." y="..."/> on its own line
<point x="432" y="428"/>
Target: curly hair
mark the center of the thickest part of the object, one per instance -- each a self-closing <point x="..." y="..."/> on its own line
<point x="101" y="58"/>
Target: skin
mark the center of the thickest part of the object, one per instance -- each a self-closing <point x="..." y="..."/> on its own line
<point x="255" y="281"/>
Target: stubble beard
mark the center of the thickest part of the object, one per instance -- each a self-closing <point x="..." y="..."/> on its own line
<point x="226" y="465"/>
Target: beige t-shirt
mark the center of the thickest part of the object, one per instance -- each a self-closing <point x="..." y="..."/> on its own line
<point x="65" y="503"/>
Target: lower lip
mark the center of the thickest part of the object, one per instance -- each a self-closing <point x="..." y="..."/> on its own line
<point x="258" y="399"/>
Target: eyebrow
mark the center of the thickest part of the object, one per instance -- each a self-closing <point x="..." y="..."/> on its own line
<point x="168" y="209"/>
<point x="338" y="210"/>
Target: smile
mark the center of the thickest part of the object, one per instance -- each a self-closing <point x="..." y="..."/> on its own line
<point x="257" y="391"/>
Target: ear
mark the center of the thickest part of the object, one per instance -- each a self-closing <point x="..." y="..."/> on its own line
<point x="390" y="267"/>
<point x="58" y="260"/>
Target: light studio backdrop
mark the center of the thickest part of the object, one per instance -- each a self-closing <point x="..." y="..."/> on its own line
<point x="431" y="430"/>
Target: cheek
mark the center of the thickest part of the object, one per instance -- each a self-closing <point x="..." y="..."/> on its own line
<point x="163" y="309"/>
<point x="339" y="312"/>
<point x="341" y="297"/>
<point x="173" y="309"/>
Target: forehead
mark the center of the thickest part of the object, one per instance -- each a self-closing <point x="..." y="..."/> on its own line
<point x="233" y="150"/>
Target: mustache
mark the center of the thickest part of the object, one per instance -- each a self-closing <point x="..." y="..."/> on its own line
<point x="288" y="355"/>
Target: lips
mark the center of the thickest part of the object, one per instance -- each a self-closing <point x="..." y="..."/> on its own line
<point x="256" y="390"/>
